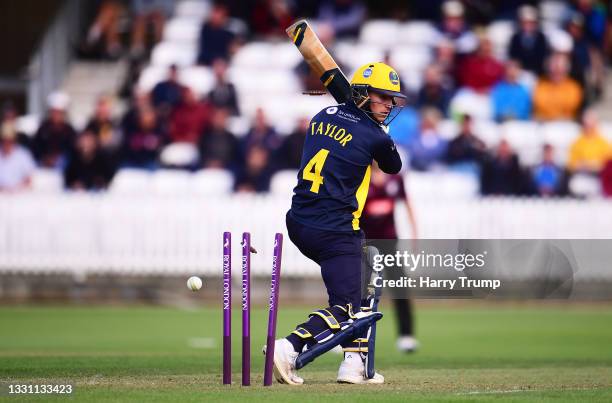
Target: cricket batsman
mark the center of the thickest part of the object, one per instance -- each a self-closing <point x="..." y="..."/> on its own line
<point x="323" y="222"/>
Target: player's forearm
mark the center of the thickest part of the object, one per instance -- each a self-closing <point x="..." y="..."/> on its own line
<point x="387" y="157"/>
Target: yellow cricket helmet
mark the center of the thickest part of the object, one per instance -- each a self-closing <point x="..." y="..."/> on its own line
<point x="379" y="77"/>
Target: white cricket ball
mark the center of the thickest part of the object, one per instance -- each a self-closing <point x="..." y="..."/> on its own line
<point x="194" y="283"/>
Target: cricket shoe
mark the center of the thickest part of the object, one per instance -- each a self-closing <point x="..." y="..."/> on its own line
<point x="352" y="370"/>
<point x="407" y="344"/>
<point x="284" y="362"/>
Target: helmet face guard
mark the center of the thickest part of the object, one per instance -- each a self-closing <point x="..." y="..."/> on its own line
<point x="360" y="94"/>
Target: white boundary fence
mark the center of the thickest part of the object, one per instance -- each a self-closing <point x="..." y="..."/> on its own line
<point x="143" y="235"/>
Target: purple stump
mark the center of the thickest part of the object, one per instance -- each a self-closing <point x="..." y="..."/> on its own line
<point x="246" y="309"/>
<point x="274" y="290"/>
<point x="227" y="308"/>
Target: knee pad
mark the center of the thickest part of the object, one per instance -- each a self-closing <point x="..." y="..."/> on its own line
<point x="324" y="323"/>
<point x="360" y="344"/>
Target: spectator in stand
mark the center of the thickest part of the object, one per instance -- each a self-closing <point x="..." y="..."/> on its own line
<point x="217" y="41"/>
<point x="261" y="135"/>
<point x="403" y="125"/>
<point x="511" y="99"/>
<point x="344" y="16"/>
<point x="105" y="128"/>
<point x="148" y="13"/>
<point x="480" y="70"/>
<point x="9" y="115"/>
<point x="139" y="101"/>
<point x="466" y="147"/>
<point x="223" y="94"/>
<point x="271" y="17"/>
<point x="434" y="93"/>
<point x="16" y="162"/>
<point x="429" y="149"/>
<point x="455" y="29"/>
<point x="558" y="96"/>
<point x="594" y="16"/>
<point x="256" y="173"/>
<point x="606" y="179"/>
<point x="548" y="178"/>
<point x="445" y="59"/>
<point x="580" y="56"/>
<point x="529" y="45"/>
<point x="167" y="94"/>
<point x="219" y="146"/>
<point x="55" y="136"/>
<point x="289" y="154"/>
<point x="88" y="167"/>
<point x="189" y="119"/>
<point x="591" y="150"/>
<point x="142" y="142"/>
<point x="501" y="173"/>
<point x="106" y="28"/>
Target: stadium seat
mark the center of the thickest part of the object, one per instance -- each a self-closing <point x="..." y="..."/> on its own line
<point x="47" y="181"/>
<point x="381" y="33"/>
<point x="283" y="182"/>
<point x="255" y="55"/>
<point x="257" y="81"/>
<point x="418" y="33"/>
<point x="355" y="55"/>
<point x="238" y="125"/>
<point x="500" y="32"/>
<point x="172" y="182"/>
<point x="553" y="11"/>
<point x="212" y="182"/>
<point x="179" y="155"/>
<point x="199" y="78"/>
<point x="525" y="138"/>
<point x="470" y="102"/>
<point x="305" y="105"/>
<point x="411" y="79"/>
<point x="410" y="58"/>
<point x="131" y="181"/>
<point x="168" y="53"/>
<point x="194" y="9"/>
<point x="560" y="40"/>
<point x="561" y="133"/>
<point x="185" y="30"/>
<point x="583" y="185"/>
<point x="442" y="186"/>
<point x="606" y="130"/>
<point x="448" y="129"/>
<point x="28" y="124"/>
<point x="150" y="76"/>
<point x="488" y="131"/>
<point x="286" y="55"/>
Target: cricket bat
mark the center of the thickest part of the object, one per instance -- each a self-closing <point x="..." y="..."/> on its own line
<point x="319" y="60"/>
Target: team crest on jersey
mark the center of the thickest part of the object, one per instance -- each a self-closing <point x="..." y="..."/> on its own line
<point x="367" y="72"/>
<point x="393" y="78"/>
<point x="331" y="110"/>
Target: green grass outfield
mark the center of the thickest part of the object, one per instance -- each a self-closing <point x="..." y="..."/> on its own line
<point x="469" y="352"/>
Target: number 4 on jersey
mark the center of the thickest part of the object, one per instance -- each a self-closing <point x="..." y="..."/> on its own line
<point x="312" y="170"/>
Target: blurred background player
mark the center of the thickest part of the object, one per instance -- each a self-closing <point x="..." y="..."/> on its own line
<point x="378" y="222"/>
<point x="323" y="222"/>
